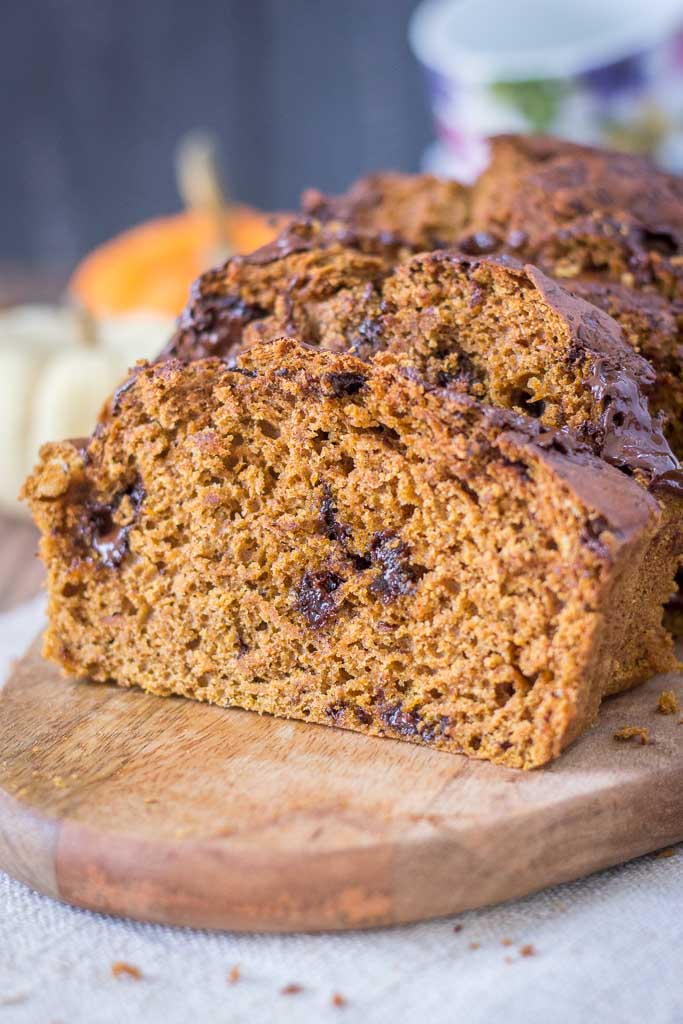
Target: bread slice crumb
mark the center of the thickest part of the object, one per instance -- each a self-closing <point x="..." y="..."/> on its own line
<point x="668" y="703"/>
<point x="121" y="969"/>
<point x="633" y="732"/>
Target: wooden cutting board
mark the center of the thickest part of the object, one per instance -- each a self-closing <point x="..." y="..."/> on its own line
<point x="167" y="810"/>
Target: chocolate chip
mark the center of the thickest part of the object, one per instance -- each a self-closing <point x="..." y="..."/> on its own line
<point x="213" y="324"/>
<point x="336" y="712"/>
<point x="477" y="296"/>
<point x="232" y="366"/>
<point x="663" y="242"/>
<point x="466" y="372"/>
<point x="478" y="243"/>
<point x="591" y="535"/>
<point x="409" y="723"/>
<point x="328" y="515"/>
<point x="342" y="384"/>
<point x="668" y="483"/>
<point x="397" y="576"/>
<point x="403" y="722"/>
<point x="368" y="338"/>
<point x="517" y="238"/>
<point x="100" y="532"/>
<point x="314" y="597"/>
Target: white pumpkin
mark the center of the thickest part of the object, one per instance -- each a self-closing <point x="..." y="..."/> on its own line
<point x="53" y="383"/>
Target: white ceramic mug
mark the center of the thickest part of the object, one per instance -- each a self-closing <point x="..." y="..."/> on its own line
<point x="605" y="72"/>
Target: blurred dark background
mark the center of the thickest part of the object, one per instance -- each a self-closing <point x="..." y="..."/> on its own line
<point x="96" y="94"/>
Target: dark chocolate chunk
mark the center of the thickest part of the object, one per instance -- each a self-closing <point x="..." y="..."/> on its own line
<point x="212" y="324"/>
<point x="328" y="516"/>
<point x="103" y="534"/>
<point x="368" y="338"/>
<point x="315" y="597"/>
<point x="592" y="532"/>
<point x="336" y="712"/>
<point x="479" y="243"/>
<point x="342" y="384"/>
<point x="409" y="723"/>
<point x="363" y="716"/>
<point x="403" y="722"/>
<point x="397" y="576"/>
<point x="231" y="365"/>
<point x="664" y="242"/>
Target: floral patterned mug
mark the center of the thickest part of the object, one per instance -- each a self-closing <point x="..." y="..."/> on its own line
<point x="604" y="72"/>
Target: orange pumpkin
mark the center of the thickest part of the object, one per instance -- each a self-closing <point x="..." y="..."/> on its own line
<point x="152" y="266"/>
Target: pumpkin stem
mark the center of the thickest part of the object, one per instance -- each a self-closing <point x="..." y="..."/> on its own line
<point x="200" y="186"/>
<point x="86" y="325"/>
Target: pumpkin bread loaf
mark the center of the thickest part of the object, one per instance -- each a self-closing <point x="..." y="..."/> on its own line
<point x="309" y="535"/>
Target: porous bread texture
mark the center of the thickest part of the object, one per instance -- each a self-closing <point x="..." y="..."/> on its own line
<point x="489" y="326"/>
<point x="309" y="536"/>
<point x="420" y="210"/>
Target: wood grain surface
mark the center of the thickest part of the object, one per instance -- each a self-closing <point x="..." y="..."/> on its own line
<point x="167" y="810"/>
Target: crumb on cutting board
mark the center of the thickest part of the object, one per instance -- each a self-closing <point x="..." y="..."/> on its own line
<point x="527" y="950"/>
<point x="121" y="969"/>
<point x="292" y="989"/>
<point x="633" y="732"/>
<point x="662" y="854"/>
<point x="338" y="999"/>
<point x="668" y="703"/>
<point x="234" y="975"/>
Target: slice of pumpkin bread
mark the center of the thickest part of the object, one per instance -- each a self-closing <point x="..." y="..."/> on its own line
<point x="319" y="538"/>
<point x="488" y="326"/>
